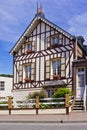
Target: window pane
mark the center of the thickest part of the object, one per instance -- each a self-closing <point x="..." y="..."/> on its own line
<point x="27" y="71"/>
<point x="30" y="47"/>
<point x="81" y="80"/>
<point x="56" y="67"/>
<point x="2" y="85"/>
<point x="55" y="40"/>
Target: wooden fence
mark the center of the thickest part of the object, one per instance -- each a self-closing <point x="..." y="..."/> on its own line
<point x="37" y="104"/>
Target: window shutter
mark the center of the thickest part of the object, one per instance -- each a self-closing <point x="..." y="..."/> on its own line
<point x="47" y="69"/>
<point x="33" y="71"/>
<point x="62" y="67"/>
<point x="20" y="73"/>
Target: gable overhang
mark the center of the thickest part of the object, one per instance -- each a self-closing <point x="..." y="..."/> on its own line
<point x="31" y="27"/>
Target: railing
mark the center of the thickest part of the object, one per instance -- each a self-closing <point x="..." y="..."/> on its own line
<point x="84" y="97"/>
<point x="3" y="102"/>
<point x="26" y="103"/>
<point x="37" y="104"/>
<point x="46" y="103"/>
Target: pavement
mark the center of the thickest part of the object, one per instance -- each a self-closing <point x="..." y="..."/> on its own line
<point x="73" y="117"/>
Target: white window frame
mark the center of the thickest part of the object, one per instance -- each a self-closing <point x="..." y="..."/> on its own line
<point x="27" y="71"/>
<point x="57" y="67"/>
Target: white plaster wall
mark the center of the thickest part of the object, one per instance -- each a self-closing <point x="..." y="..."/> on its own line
<point x="42" y="42"/>
<point x="67" y="59"/>
<point x="37" y="69"/>
<point x="8" y="86"/>
<point x="20" y="95"/>
<point x="42" y="68"/>
<point x="42" y="27"/>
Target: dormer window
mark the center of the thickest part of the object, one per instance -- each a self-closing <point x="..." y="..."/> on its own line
<point x="28" y="48"/>
<point x="55" y="40"/>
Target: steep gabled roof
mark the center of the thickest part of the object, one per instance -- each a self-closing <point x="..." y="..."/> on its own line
<point x="30" y="28"/>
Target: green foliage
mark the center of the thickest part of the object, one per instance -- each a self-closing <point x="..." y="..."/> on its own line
<point x="61" y="92"/>
<point x="4" y="102"/>
<point x="41" y="94"/>
<point x="6" y="75"/>
<point x="44" y="106"/>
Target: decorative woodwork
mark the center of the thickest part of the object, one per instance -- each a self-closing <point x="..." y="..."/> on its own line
<point x="42" y="52"/>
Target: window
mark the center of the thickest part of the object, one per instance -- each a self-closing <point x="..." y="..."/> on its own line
<point x="28" y="71"/>
<point x="56" y="67"/>
<point x="50" y="92"/>
<point x="55" y="40"/>
<point x="2" y="85"/>
<point x="81" y="80"/>
<point x="81" y="69"/>
<point x="29" y="47"/>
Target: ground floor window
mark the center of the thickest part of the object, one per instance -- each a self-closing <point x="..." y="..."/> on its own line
<point x="2" y="85"/>
<point x="50" y="92"/>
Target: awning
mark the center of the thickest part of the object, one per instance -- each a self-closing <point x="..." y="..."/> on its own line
<point x="54" y="83"/>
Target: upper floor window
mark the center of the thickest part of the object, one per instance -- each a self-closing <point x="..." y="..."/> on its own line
<point x="29" y="47"/>
<point x="55" y="40"/>
<point x="56" y="67"/>
<point x="2" y="85"/>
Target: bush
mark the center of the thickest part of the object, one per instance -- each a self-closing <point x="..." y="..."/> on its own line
<point x="41" y="94"/>
<point x="61" y="92"/>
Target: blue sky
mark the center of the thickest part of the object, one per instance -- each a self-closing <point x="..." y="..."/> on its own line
<point x="15" y="16"/>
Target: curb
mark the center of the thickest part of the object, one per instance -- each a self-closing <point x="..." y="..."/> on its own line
<point x="61" y="121"/>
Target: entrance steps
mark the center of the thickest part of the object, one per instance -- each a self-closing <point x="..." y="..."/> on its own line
<point x="78" y="105"/>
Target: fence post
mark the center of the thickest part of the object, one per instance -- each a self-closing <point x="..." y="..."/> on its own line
<point x="10" y="104"/>
<point x="67" y="103"/>
<point x="37" y="104"/>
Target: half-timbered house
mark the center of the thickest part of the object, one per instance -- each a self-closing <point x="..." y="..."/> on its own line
<point x="47" y="57"/>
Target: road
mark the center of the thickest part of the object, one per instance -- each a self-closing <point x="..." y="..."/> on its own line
<point x="43" y="126"/>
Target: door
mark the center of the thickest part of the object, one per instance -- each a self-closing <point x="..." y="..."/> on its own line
<point x="80" y="83"/>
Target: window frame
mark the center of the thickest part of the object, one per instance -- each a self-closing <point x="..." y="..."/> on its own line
<point x="27" y="73"/>
<point x="57" y="67"/>
<point x="2" y="86"/>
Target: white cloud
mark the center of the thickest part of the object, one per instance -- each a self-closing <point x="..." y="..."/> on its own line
<point x="78" y="25"/>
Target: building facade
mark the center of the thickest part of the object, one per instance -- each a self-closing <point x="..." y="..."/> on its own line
<point x="6" y="86"/>
<point x="46" y="57"/>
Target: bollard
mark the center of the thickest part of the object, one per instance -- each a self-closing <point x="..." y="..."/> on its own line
<point x="67" y="103"/>
<point x="37" y="104"/>
<point x="10" y="104"/>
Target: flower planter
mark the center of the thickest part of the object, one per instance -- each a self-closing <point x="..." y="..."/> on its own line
<point x="56" y="77"/>
<point x="27" y="51"/>
<point x="54" y="45"/>
<point x="26" y="80"/>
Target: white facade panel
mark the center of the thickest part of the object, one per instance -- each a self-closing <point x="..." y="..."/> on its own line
<point x="7" y="86"/>
<point x="37" y="69"/>
<point x="42" y="69"/>
<point x="38" y="44"/>
<point x="42" y="42"/>
<point x="42" y="27"/>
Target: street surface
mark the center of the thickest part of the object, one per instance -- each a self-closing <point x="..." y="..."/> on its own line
<point x="43" y="126"/>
